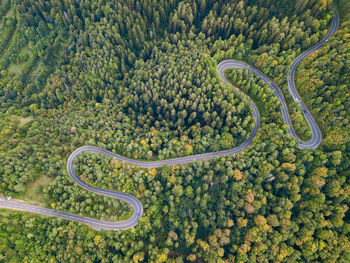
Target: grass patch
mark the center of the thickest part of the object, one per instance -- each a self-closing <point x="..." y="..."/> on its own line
<point x="24" y="51"/>
<point x="16" y="68"/>
<point x="25" y="120"/>
<point x="34" y="190"/>
<point x="9" y="13"/>
<point x="36" y="71"/>
<point x="22" y="59"/>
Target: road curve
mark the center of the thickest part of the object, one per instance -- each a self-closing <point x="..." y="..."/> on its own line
<point x="315" y="130"/>
<point x="316" y="133"/>
<point x="132" y="200"/>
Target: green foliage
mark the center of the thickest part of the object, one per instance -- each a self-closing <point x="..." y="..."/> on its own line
<point x="323" y="80"/>
<point x="139" y="78"/>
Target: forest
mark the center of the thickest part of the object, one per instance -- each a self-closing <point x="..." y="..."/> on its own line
<point x="139" y="78"/>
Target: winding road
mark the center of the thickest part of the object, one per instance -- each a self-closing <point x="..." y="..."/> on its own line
<point x="132" y="200"/>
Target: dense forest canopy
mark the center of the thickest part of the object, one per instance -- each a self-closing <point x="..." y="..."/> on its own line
<point x="139" y="78"/>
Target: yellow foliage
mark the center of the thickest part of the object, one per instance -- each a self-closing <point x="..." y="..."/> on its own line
<point x="324" y="4"/>
<point x="138" y="257"/>
<point x="53" y="205"/>
<point x="321" y="245"/>
<point x="318" y="182"/>
<point x="162" y="257"/>
<point x="283" y="253"/>
<point x="249" y="236"/>
<point x="336" y="136"/>
<point x="260" y="220"/>
<point x="173" y="235"/>
<point x="6" y="131"/>
<point x="172" y="179"/>
<point x="205" y="246"/>
<point x="262" y="246"/>
<point x="237" y="174"/>
<point x="152" y="172"/>
<point x="242" y="222"/>
<point x="288" y="214"/>
<point x="321" y="171"/>
<point x="244" y="248"/>
<point x="142" y="188"/>
<point x="79" y="250"/>
<point x="188" y="149"/>
<point x="33" y="107"/>
<point x="97" y="239"/>
<point x="165" y="209"/>
<point x="191" y="257"/>
<point x="230" y="223"/>
<point x="288" y="166"/>
<point x="116" y="163"/>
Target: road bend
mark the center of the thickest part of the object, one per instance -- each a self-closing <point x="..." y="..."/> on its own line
<point x="132" y="200"/>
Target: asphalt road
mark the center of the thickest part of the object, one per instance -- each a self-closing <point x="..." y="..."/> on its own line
<point x="316" y="133"/>
<point x="132" y="200"/>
